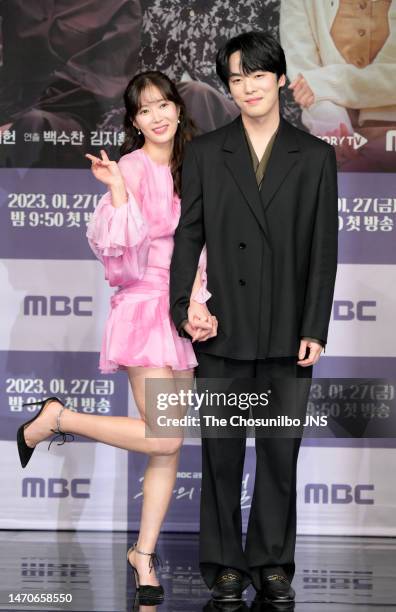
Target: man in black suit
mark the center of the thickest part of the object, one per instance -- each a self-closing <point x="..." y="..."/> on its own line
<point x="262" y="195"/>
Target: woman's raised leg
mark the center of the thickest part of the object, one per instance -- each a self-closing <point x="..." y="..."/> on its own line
<point x="123" y="432"/>
<point x="131" y="434"/>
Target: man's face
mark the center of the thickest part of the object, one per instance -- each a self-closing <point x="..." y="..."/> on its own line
<point x="257" y="93"/>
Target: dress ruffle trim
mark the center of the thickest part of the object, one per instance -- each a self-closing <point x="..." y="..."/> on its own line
<point x="112" y="230"/>
<point x="140" y="333"/>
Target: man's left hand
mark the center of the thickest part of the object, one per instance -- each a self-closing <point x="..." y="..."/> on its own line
<point x="315" y="350"/>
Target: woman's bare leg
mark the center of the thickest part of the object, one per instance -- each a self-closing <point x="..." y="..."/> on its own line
<point x="123" y="432"/>
<point x="159" y="480"/>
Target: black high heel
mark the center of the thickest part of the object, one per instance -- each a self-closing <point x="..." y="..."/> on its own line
<point x="147" y="594"/>
<point x="25" y="451"/>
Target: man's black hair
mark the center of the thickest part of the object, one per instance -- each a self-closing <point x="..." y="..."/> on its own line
<point x="259" y="51"/>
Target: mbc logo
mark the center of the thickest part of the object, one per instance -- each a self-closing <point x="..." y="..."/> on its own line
<point x="346" y="310"/>
<point x="55" y="487"/>
<point x="337" y="494"/>
<point x="57" y="305"/>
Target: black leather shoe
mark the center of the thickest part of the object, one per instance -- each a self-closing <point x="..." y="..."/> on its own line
<point x="275" y="587"/>
<point x="228" y="585"/>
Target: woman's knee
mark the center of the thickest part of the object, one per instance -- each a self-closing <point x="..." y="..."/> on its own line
<point x="166" y="446"/>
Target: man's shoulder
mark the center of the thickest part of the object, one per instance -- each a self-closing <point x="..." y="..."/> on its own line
<point x="308" y="142"/>
<point x="211" y="140"/>
<point x="214" y="140"/>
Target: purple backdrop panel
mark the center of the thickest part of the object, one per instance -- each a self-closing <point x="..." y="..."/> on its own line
<point x="29" y="376"/>
<point x="367" y="216"/>
<point x="350" y="442"/>
<point x="44" y="213"/>
<point x="356" y="367"/>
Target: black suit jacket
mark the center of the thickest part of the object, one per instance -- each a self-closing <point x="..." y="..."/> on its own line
<point x="272" y="254"/>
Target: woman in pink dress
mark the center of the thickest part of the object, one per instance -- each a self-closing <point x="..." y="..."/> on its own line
<point x="131" y="232"/>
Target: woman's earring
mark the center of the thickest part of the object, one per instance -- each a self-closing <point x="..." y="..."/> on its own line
<point x="178" y="121"/>
<point x="139" y="132"/>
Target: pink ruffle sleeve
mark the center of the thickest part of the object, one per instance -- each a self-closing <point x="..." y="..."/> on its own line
<point x="119" y="238"/>
<point x="202" y="295"/>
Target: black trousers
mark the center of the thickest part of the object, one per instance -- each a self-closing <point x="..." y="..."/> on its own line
<point x="271" y="532"/>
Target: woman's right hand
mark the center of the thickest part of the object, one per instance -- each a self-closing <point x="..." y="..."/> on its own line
<point x="203" y="325"/>
<point x="106" y="171"/>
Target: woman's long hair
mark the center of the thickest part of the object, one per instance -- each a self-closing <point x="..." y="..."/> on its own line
<point x="185" y="129"/>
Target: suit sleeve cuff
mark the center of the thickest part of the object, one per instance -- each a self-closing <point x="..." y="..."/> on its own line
<point x="321" y="342"/>
<point x="181" y="331"/>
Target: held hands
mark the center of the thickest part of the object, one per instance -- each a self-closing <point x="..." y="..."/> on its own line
<point x="201" y="325"/>
<point x="314" y="349"/>
<point x="302" y="93"/>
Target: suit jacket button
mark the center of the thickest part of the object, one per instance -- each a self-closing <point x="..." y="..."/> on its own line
<point x="242" y="282"/>
<point x="242" y="245"/>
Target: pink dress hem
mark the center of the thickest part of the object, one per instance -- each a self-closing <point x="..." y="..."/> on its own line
<point x="135" y="243"/>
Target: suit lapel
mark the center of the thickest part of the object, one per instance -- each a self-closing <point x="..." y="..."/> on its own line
<point x="238" y="161"/>
<point x="284" y="155"/>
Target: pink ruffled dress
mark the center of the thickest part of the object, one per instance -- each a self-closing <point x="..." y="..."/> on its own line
<point x="135" y="243"/>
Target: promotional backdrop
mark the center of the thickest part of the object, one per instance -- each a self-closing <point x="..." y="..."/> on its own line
<point x="63" y="68"/>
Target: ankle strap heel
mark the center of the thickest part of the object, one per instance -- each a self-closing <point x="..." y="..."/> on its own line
<point x="25" y="451"/>
<point x="59" y="433"/>
<point x="155" y="560"/>
<point x="146" y="594"/>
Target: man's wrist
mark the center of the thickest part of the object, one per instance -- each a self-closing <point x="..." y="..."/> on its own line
<point x="181" y="331"/>
<point x="309" y="339"/>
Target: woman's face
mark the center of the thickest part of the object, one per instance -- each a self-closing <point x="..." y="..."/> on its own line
<point x="157" y="118"/>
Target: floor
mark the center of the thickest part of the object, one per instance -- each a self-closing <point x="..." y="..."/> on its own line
<point x="334" y="574"/>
